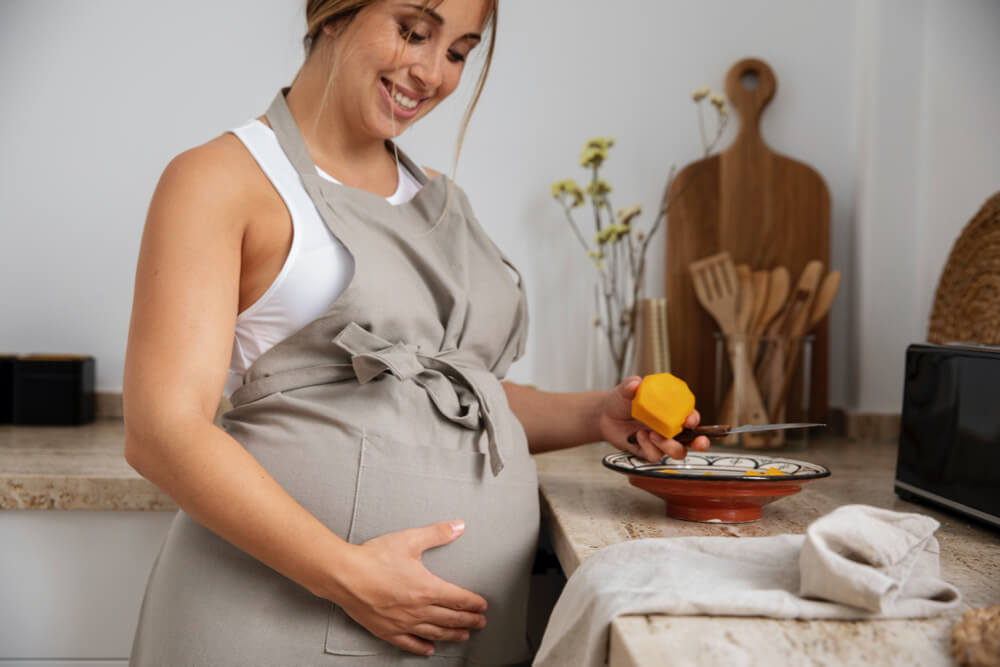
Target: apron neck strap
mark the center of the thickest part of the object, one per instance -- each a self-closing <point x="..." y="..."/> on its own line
<point x="408" y="164"/>
<point x="279" y="117"/>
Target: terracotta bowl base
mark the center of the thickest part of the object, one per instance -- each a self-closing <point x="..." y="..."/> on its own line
<point x="716" y="501"/>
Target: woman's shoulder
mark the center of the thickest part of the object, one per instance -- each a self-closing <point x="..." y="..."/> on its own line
<point x="221" y="163"/>
<point x="219" y="175"/>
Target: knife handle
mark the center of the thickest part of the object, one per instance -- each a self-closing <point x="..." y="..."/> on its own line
<point x="687" y="435"/>
<point x="714" y="431"/>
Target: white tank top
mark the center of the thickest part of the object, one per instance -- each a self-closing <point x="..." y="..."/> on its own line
<point x="317" y="268"/>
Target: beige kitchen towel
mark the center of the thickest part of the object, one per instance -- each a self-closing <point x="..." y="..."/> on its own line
<point x="858" y="562"/>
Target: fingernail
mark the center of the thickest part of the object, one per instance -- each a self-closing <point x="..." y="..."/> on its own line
<point x="429" y="651"/>
<point x="456" y="527"/>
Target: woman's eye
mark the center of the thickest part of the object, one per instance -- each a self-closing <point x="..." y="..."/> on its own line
<point x="411" y="35"/>
<point x="456" y="57"/>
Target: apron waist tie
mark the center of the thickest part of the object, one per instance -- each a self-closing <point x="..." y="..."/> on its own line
<point x="446" y="376"/>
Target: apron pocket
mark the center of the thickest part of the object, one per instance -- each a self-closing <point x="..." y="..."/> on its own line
<point x="400" y="486"/>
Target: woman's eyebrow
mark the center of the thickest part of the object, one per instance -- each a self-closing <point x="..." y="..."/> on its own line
<point x="437" y="18"/>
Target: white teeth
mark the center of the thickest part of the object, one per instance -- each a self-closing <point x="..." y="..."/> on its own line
<point x="403" y="101"/>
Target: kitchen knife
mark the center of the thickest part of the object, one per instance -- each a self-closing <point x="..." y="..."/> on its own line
<point x="722" y="430"/>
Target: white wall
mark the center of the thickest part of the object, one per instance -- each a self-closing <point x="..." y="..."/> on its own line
<point x="929" y="156"/>
<point x="98" y="97"/>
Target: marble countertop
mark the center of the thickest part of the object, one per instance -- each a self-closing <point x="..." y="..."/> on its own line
<point x="72" y="468"/>
<point x="586" y="507"/>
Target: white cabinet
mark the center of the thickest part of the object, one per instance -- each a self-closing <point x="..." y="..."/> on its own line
<point x="71" y="583"/>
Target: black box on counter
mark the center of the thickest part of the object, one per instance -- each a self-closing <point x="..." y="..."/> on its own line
<point x="6" y="388"/>
<point x="949" y="438"/>
<point x="55" y="390"/>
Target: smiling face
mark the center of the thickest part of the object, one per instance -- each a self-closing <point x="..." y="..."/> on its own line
<point x="396" y="60"/>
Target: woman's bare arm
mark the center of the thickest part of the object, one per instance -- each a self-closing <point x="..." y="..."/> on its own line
<point x="560" y="420"/>
<point x="556" y="420"/>
<point x="179" y="345"/>
<point x="180" y="339"/>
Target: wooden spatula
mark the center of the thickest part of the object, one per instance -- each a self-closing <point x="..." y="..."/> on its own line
<point x="716" y="285"/>
<point x="755" y="283"/>
<point x="805" y="290"/>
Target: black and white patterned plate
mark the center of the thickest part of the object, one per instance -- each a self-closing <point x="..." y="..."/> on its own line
<point x="718" y="467"/>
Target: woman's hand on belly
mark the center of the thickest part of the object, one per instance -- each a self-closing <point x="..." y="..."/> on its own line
<point x="385" y="587"/>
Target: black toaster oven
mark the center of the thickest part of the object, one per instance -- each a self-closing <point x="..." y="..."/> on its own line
<point x="949" y="439"/>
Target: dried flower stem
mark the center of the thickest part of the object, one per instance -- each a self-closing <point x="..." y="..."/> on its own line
<point x="619" y="250"/>
<point x="597" y="212"/>
<point x="576" y="230"/>
<point x="722" y="119"/>
<point x="701" y="128"/>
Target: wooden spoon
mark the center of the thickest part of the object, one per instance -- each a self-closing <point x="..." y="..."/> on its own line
<point x="744" y="310"/>
<point x="806" y="290"/>
<point x="824" y="298"/>
<point x="777" y="295"/>
<point x="779" y="369"/>
<point x="760" y="281"/>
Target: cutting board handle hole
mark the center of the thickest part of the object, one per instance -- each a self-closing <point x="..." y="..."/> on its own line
<point x="749" y="79"/>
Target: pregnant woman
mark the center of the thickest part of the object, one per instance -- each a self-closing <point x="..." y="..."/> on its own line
<point x="370" y="498"/>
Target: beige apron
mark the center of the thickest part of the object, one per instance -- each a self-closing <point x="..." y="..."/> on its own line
<point x="384" y="413"/>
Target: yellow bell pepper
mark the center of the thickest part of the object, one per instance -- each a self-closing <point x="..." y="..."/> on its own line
<point x="662" y="402"/>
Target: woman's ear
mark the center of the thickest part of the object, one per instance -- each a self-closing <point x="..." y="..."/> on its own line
<point x="334" y="28"/>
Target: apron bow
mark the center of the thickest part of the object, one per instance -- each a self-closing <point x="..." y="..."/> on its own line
<point x="446" y="376"/>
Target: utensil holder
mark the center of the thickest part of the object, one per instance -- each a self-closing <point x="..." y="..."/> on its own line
<point x="781" y="370"/>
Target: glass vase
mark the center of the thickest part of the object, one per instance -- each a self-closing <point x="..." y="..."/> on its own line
<point x="778" y="369"/>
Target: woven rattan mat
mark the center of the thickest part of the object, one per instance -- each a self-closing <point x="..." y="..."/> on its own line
<point x="967" y="301"/>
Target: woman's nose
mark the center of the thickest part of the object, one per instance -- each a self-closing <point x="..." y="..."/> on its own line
<point x="428" y="70"/>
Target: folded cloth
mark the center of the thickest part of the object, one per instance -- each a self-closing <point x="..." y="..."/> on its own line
<point x="858" y="562"/>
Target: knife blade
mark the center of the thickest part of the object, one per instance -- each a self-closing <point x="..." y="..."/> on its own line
<point x="722" y="430"/>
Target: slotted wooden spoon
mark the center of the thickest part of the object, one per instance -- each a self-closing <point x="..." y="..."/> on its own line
<point x="753" y="296"/>
<point x="716" y="285"/>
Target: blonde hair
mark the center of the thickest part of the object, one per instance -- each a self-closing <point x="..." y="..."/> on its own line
<point x="320" y="13"/>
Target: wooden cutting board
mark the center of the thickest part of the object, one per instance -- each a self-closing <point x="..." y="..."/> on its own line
<point x="764" y="208"/>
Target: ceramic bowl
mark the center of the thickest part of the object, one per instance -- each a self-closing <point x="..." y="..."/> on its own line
<point x="717" y="488"/>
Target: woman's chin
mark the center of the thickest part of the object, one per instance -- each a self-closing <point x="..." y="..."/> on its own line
<point x="389" y="129"/>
